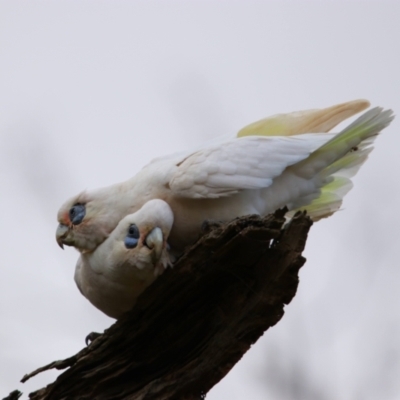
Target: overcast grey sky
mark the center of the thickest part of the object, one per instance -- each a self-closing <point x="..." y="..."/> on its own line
<point x="91" y="91"/>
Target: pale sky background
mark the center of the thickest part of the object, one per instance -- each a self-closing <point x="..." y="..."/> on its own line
<point x="90" y="91"/>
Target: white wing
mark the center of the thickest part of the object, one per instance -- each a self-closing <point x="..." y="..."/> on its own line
<point x="250" y="162"/>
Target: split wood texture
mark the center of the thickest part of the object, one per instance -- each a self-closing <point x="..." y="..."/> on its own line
<point x="196" y="321"/>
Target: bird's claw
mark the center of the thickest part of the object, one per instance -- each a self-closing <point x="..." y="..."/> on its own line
<point x="91" y="337"/>
<point x="208" y="225"/>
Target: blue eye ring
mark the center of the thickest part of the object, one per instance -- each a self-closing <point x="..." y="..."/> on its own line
<point x="77" y="213"/>
<point x="132" y="237"/>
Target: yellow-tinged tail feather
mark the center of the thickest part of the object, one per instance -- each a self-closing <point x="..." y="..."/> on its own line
<point x="308" y="121"/>
<point x="337" y="161"/>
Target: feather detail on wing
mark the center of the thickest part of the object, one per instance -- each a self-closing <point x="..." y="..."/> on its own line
<point x="246" y="163"/>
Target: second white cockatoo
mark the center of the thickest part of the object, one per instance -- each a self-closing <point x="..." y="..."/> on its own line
<point x="285" y="160"/>
<point x="128" y="261"/>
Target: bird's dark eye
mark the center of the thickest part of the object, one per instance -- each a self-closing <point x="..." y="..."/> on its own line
<point x="77" y="213"/>
<point x="133" y="231"/>
<point x="132" y="237"/>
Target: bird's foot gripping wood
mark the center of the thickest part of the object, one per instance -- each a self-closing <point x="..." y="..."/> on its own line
<point x="190" y="327"/>
<point x="91" y="337"/>
<point x="207" y="226"/>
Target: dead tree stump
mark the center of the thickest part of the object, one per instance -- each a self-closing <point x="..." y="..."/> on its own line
<point x="196" y="321"/>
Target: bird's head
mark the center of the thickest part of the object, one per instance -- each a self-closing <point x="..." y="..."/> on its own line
<point x="85" y="221"/>
<point x="140" y="239"/>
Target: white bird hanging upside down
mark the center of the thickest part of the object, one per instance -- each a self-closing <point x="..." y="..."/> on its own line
<point x="128" y="261"/>
<point x="285" y="160"/>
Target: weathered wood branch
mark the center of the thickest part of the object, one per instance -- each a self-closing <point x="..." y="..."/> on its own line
<point x="14" y="395"/>
<point x="196" y="321"/>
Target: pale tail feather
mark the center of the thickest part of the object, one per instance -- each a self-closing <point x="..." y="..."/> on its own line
<point x="308" y="121"/>
<point x="363" y="128"/>
<point x="354" y="145"/>
<point x="328" y="200"/>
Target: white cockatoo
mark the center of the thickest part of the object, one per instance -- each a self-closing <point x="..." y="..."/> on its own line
<point x="285" y="160"/>
<point x="128" y="261"/>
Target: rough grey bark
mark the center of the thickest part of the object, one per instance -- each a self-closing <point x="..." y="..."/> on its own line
<point x="196" y="321"/>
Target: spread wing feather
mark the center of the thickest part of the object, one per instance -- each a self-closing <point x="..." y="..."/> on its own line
<point x="250" y="162"/>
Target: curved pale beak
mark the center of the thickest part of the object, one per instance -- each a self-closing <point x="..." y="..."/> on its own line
<point x="155" y="241"/>
<point x="61" y="233"/>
